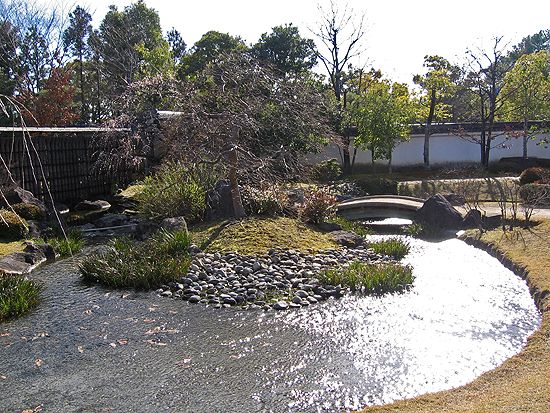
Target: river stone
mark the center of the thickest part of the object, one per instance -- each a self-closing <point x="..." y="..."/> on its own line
<point x="111" y="220"/>
<point x="194" y="299"/>
<point x="437" y="213"/>
<point x="347" y="238"/>
<point x="280" y="305"/>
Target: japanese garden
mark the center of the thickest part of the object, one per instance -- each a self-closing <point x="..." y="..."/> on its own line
<point x="268" y="225"/>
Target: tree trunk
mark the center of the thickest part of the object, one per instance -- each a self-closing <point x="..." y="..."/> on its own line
<point x="525" y="137"/>
<point x="346" y="167"/>
<point x="238" y="208"/>
<point x="428" y="131"/>
<point x="82" y="109"/>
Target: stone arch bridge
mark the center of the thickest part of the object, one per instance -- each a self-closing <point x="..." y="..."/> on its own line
<point x="380" y="206"/>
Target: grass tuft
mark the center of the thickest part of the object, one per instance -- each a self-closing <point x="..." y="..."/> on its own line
<point x="162" y="259"/>
<point x="370" y="278"/>
<point x="392" y="247"/>
<point x="349" y="225"/>
<point x="69" y="246"/>
<point x="17" y="296"/>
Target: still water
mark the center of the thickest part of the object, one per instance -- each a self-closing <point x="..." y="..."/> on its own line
<point x="88" y="349"/>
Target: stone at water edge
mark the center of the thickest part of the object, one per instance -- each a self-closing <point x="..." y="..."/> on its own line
<point x="438" y="213"/>
<point x="280" y="305"/>
<point x="111" y="220"/>
<point x="472" y="219"/>
<point x="98" y="205"/>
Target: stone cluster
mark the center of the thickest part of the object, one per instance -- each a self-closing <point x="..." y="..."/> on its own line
<point x="280" y="280"/>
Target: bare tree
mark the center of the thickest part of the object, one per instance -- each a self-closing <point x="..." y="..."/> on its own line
<point x="340" y="32"/>
<point x="486" y="79"/>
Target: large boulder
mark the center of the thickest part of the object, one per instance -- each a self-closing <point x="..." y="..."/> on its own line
<point x="174" y="224"/>
<point x="438" y="214"/>
<point x="472" y="219"/>
<point x="16" y="195"/>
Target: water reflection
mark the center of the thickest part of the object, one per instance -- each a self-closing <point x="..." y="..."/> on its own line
<point x="464" y="315"/>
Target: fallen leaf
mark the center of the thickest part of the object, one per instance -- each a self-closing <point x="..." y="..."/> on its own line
<point x="38" y="362"/>
<point x="113" y="345"/>
<point x="122" y="341"/>
<point x="6" y="334"/>
<point x="183" y="362"/>
<point x="149" y="320"/>
<point x="40" y="335"/>
<point x="80" y="349"/>
<point x="151" y="309"/>
<point x="37" y="409"/>
<point x="156" y="343"/>
<point x="88" y="312"/>
<point x="2" y="377"/>
<point x="125" y="295"/>
<point x="153" y="331"/>
<point x="172" y="312"/>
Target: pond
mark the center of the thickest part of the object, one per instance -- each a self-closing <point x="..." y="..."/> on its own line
<point x="91" y="349"/>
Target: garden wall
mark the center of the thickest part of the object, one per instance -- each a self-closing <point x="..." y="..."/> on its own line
<point x="445" y="148"/>
<point x="66" y="156"/>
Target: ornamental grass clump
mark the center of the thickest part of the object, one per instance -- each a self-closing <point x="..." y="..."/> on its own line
<point x="175" y="190"/>
<point x="370" y="278"/>
<point x="69" y="245"/>
<point x="125" y="263"/>
<point x="392" y="247"/>
<point x="17" y="296"/>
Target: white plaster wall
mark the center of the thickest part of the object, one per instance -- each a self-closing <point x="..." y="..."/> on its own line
<point x="444" y="148"/>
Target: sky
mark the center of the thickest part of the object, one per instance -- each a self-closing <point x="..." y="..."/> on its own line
<point x="398" y="34"/>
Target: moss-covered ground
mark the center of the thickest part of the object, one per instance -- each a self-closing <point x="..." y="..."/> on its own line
<point x="7" y="247"/>
<point x="256" y="236"/>
<point x="522" y="383"/>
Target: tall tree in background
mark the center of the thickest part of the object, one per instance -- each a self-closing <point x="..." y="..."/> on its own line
<point x="531" y="44"/>
<point x="129" y="44"/>
<point x="383" y="114"/>
<point x="178" y="47"/>
<point x="75" y="39"/>
<point x="527" y="87"/>
<point x="340" y="32"/>
<point x="285" y="49"/>
<point x="208" y="49"/>
<point x="36" y="34"/>
<point x="436" y="84"/>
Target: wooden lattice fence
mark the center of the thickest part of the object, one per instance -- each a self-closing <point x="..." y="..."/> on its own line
<point x="64" y="156"/>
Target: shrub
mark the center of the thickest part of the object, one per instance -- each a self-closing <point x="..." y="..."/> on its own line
<point x="147" y="265"/>
<point x="392" y="247"/>
<point x="263" y="201"/>
<point x="535" y="195"/>
<point x="319" y="205"/>
<point x="328" y="170"/>
<point x="531" y="175"/>
<point x="66" y="247"/>
<point x="174" y="190"/>
<point x="370" y="278"/>
<point x="378" y="186"/>
<point x="17" y="295"/>
<point x="12" y="226"/>
<point x="28" y="211"/>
